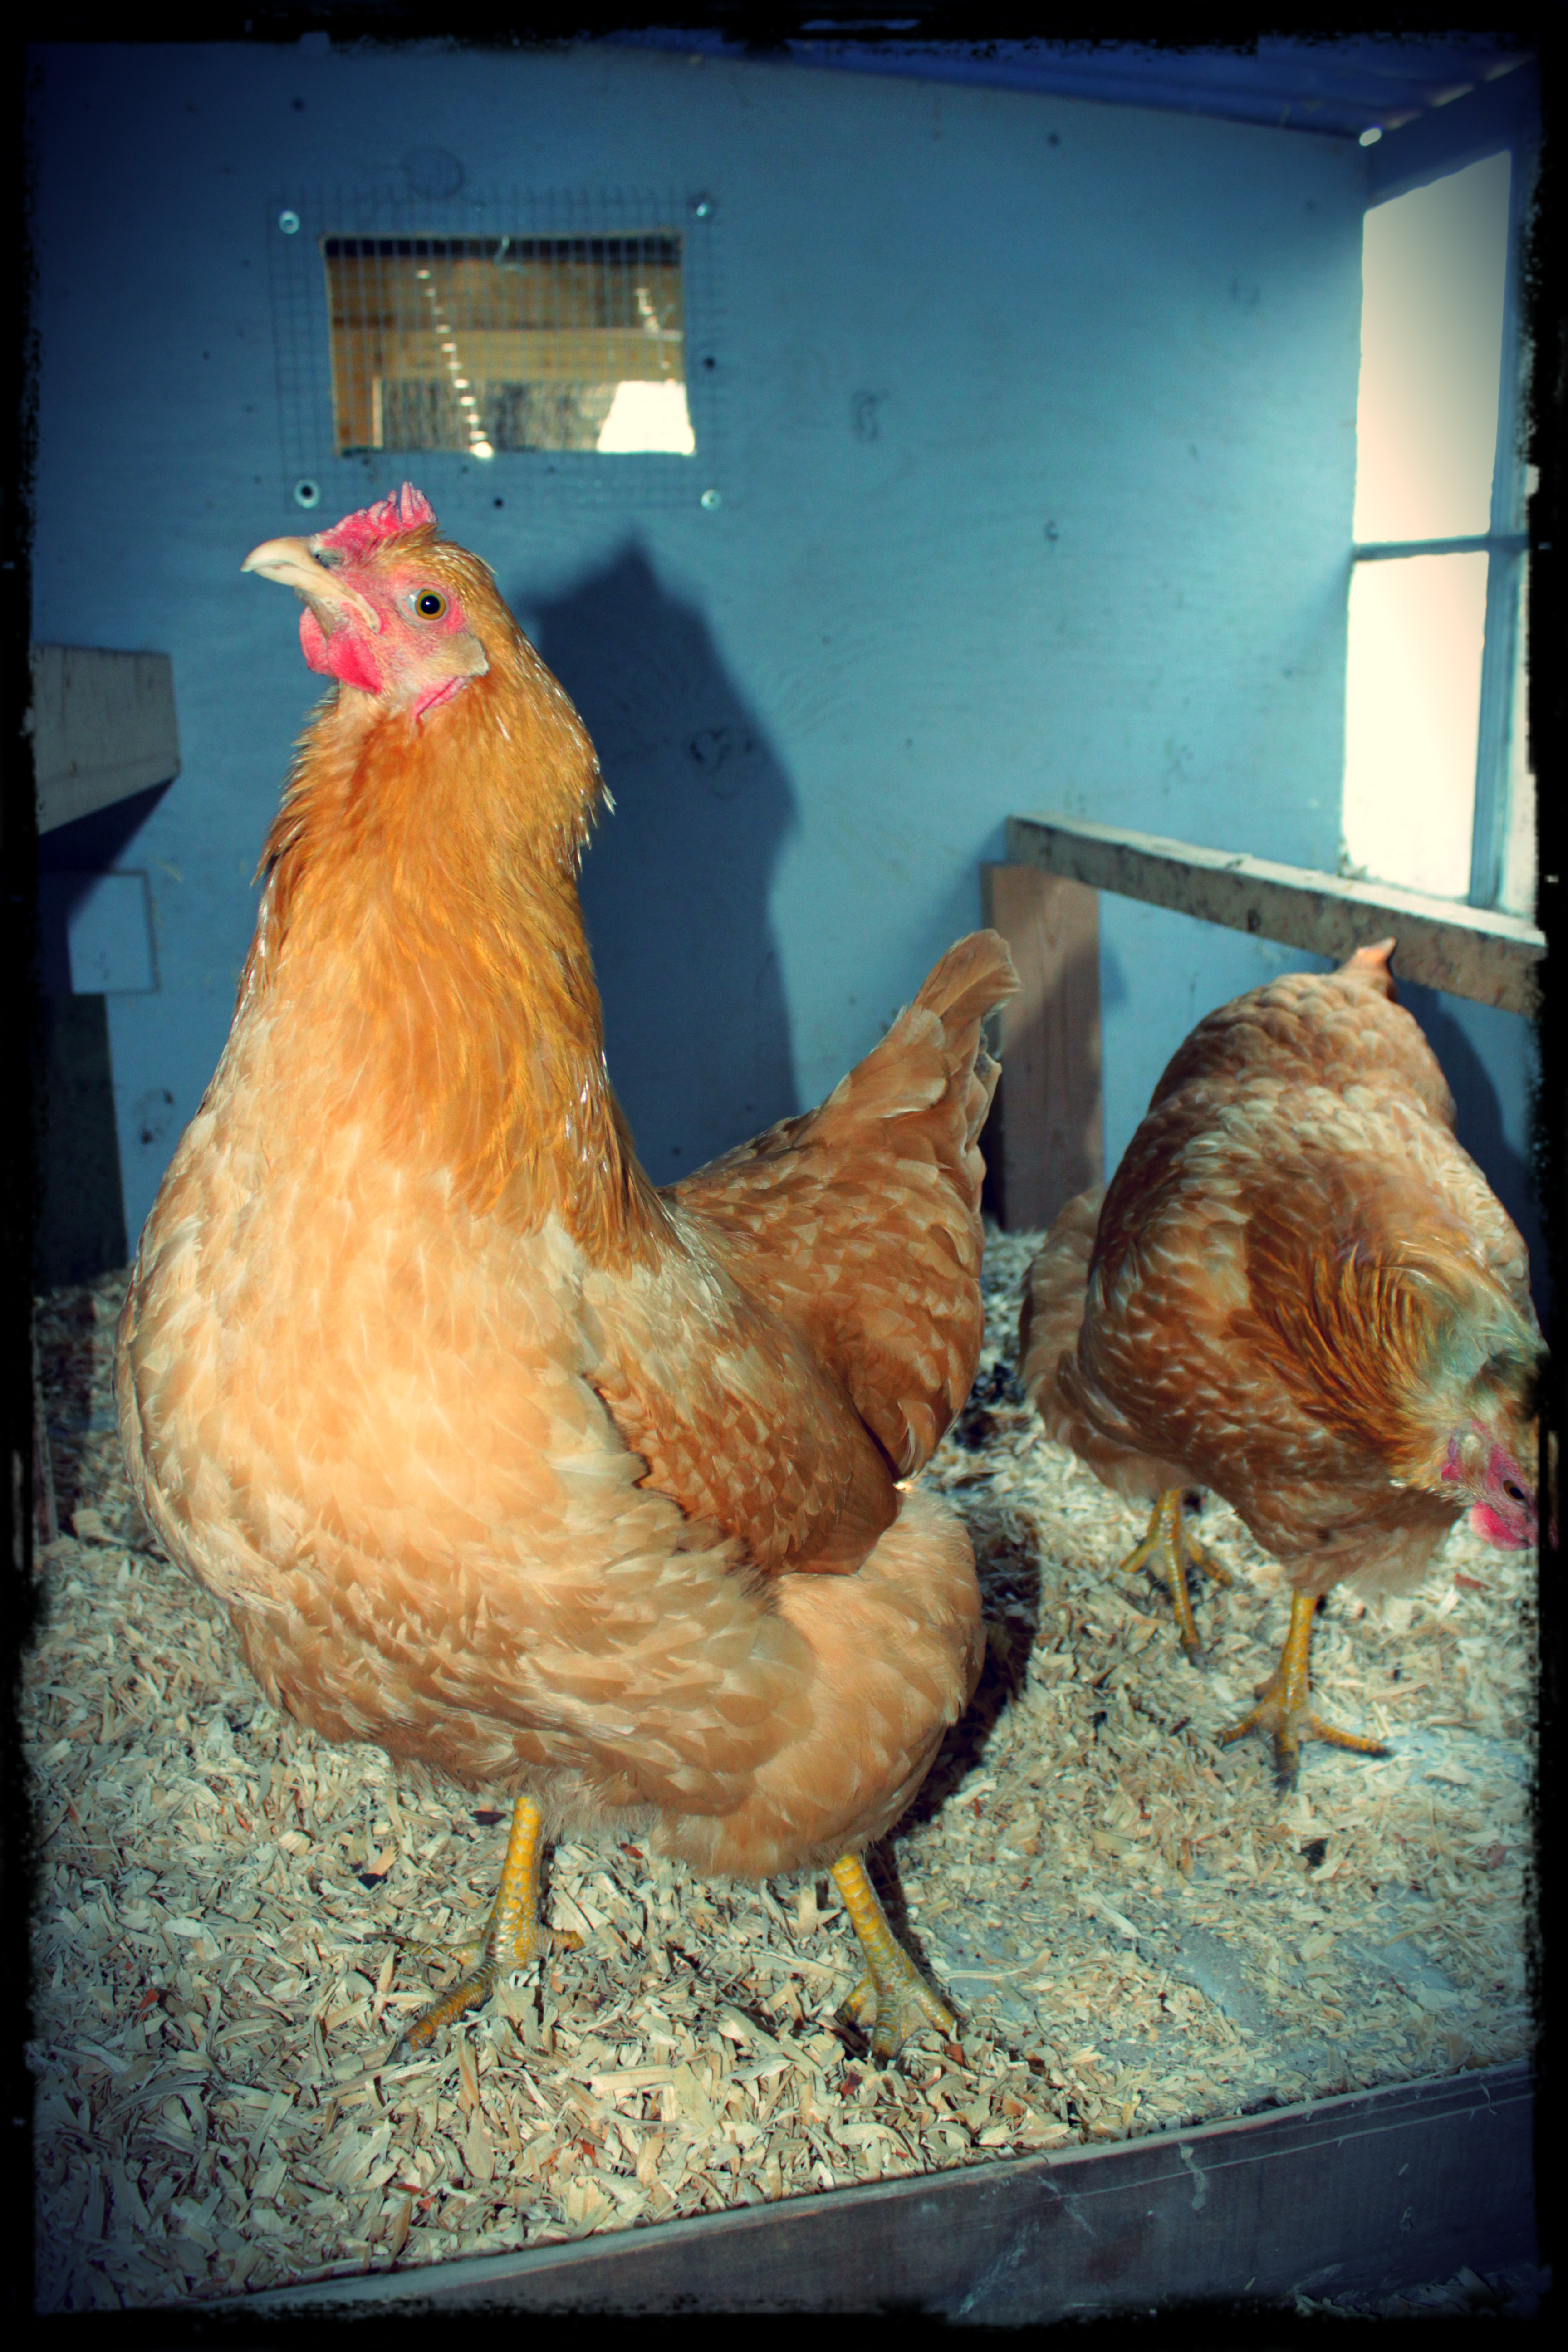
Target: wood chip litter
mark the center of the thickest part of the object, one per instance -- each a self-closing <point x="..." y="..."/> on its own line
<point x="1137" y="1931"/>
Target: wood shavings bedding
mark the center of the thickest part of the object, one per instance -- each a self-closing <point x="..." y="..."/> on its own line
<point x="1139" y="1932"/>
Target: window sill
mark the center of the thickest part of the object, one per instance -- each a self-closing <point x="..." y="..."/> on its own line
<point x="1471" y="951"/>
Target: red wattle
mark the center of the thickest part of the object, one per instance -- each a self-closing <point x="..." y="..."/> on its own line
<point x="342" y="655"/>
<point x="1495" y="1530"/>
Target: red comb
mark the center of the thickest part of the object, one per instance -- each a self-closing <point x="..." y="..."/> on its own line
<point x="391" y="518"/>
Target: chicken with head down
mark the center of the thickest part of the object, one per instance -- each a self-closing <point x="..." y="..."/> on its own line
<point x="1300" y="1291"/>
<point x="593" y="1493"/>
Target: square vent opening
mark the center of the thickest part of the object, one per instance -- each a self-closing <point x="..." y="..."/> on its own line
<point x="486" y="344"/>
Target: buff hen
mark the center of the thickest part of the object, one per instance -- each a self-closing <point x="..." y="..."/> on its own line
<point x="1300" y="1292"/>
<point x="497" y="1456"/>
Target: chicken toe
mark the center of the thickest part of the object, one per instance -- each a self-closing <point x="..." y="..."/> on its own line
<point x="1169" y="1549"/>
<point x="1284" y="1710"/>
<point x="893" y="1998"/>
<point x="514" y="1936"/>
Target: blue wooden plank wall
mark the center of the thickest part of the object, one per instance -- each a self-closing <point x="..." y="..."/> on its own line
<point x="1034" y="446"/>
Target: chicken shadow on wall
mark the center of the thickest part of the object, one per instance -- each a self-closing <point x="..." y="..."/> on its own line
<point x="676" y="883"/>
<point x="1478" y="1123"/>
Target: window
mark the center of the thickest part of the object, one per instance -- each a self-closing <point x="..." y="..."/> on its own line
<point x="483" y="344"/>
<point x="1437" y="791"/>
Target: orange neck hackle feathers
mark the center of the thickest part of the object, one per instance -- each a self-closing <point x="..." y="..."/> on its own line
<point x="1412" y="1352"/>
<point x="422" y="871"/>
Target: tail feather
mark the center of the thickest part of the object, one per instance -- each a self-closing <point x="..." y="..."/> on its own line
<point x="1372" y="963"/>
<point x="968" y="982"/>
<point x="860" y="1223"/>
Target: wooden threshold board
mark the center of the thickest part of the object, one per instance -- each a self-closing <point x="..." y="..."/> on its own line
<point x="1471" y="951"/>
<point x="1367" y="2193"/>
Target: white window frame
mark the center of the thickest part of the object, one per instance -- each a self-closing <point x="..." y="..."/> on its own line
<point x="1505" y="542"/>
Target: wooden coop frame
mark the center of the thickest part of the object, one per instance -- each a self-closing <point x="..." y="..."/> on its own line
<point x="1045" y="1138"/>
<point x="1363" y="2194"/>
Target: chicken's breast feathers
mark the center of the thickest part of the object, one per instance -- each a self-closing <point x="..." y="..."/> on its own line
<point x="368" y="1423"/>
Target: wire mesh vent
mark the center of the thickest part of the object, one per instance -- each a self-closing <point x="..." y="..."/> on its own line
<point x="483" y="344"/>
<point x="546" y="334"/>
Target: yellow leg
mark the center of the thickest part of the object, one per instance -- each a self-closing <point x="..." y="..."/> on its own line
<point x="513" y="1935"/>
<point x="1283" y="1706"/>
<point x="1168" y="1549"/>
<point x="892" y="1996"/>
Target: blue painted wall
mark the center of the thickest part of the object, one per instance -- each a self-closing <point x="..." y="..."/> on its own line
<point x="1036" y="454"/>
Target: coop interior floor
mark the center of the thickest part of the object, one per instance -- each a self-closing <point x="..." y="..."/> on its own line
<point x="1138" y="1931"/>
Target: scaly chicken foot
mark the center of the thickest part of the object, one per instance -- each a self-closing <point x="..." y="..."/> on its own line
<point x="514" y="1935"/>
<point x="893" y="1998"/>
<point x="1168" y="1549"/>
<point x="1283" y="1708"/>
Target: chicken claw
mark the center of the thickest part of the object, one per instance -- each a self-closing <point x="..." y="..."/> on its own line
<point x="1283" y="1708"/>
<point x="1168" y="1549"/>
<point x="892" y="1997"/>
<point x="514" y="1936"/>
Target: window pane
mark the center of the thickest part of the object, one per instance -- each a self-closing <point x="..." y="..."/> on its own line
<point x="527" y="342"/>
<point x="1413" y="695"/>
<point x="1433" y="265"/>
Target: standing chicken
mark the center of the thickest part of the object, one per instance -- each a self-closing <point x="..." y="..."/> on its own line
<point x="1300" y="1291"/>
<point x="497" y="1456"/>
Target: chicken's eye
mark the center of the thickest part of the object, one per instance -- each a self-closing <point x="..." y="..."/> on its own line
<point x="430" y="603"/>
<point x="1515" y="1494"/>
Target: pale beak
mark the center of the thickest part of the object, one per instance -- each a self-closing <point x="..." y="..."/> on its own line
<point x="294" y="563"/>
